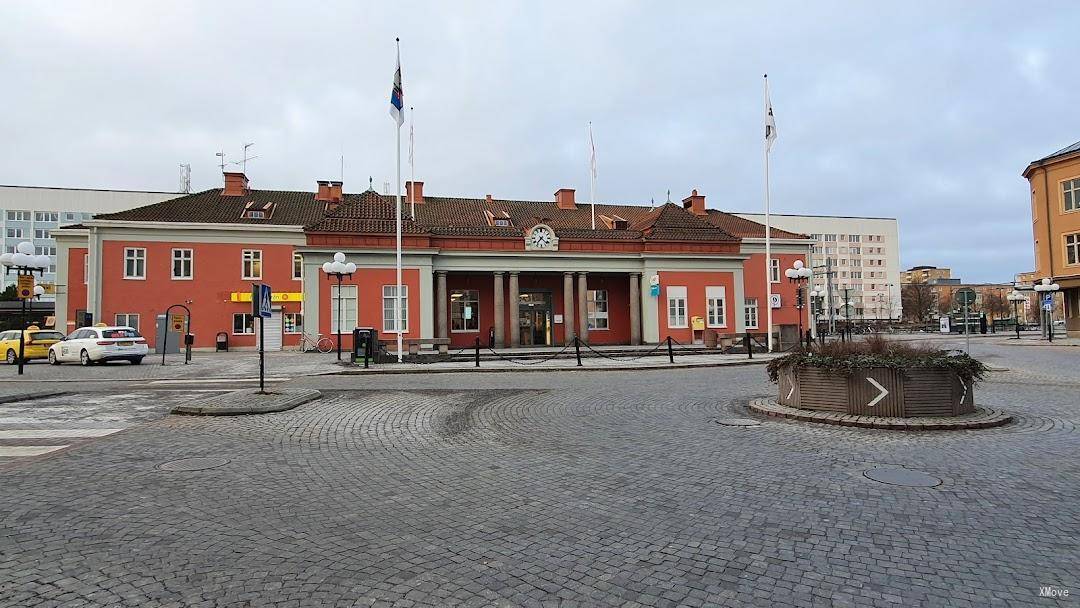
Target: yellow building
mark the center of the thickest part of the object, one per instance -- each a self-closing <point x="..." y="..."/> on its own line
<point x="925" y="274"/>
<point x="1055" y="224"/>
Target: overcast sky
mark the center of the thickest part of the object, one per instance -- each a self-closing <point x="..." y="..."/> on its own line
<point x="927" y="112"/>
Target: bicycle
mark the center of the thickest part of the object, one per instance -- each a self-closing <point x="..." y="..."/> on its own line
<point x="321" y="344"/>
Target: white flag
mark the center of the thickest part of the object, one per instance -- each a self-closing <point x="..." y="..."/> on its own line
<point x="592" y="153"/>
<point x="770" y="121"/>
<point x="411" y="142"/>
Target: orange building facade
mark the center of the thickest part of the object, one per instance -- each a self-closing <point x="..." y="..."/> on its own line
<point x="1055" y="223"/>
<point x="509" y="273"/>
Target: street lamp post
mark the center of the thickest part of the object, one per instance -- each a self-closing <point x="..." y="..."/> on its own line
<point x="1046" y="287"/>
<point x="799" y="275"/>
<point x="816" y="299"/>
<point x="1016" y="297"/>
<point x="339" y="269"/>
<point x="24" y="264"/>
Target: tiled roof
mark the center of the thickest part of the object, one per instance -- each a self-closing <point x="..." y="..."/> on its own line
<point x="209" y="206"/>
<point x="744" y="228"/>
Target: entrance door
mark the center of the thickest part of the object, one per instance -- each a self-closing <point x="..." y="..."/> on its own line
<point x="273" y="331"/>
<point x="534" y="314"/>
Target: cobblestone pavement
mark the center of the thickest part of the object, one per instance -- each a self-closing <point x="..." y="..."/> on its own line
<point x="557" y="488"/>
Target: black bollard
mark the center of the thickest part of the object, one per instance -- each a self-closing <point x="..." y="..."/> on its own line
<point x="670" y="352"/>
<point x="749" y="346"/>
<point x="477" y="352"/>
<point x="577" y="349"/>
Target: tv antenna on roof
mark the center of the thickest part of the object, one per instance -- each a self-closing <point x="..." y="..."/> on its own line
<point x="221" y="155"/>
<point x="185" y="178"/>
<point x="243" y="162"/>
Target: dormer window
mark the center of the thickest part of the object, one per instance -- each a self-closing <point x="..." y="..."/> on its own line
<point x="255" y="214"/>
<point x="614" y="222"/>
<point x="501" y="220"/>
<point x="257" y="211"/>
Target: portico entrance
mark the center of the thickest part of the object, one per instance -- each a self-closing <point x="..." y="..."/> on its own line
<point x="534" y="314"/>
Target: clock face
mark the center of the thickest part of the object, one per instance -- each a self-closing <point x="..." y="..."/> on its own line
<point x="541" y="237"/>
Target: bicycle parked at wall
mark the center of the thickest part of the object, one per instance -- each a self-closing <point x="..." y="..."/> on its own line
<point x="319" y="343"/>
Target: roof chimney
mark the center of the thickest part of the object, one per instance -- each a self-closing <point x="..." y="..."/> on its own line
<point x="488" y="198"/>
<point x="564" y="198"/>
<point x="414" y="191"/>
<point x="695" y="203"/>
<point x="236" y="184"/>
<point x="329" y="193"/>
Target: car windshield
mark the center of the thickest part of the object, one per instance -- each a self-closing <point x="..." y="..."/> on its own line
<point x="119" y="333"/>
<point x="46" y="335"/>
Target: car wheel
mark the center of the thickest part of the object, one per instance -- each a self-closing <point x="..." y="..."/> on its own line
<point x="52" y="358"/>
<point x="84" y="358"/>
<point x="11" y="358"/>
<point x="136" y="360"/>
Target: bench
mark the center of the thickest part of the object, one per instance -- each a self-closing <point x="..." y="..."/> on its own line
<point x="414" y="344"/>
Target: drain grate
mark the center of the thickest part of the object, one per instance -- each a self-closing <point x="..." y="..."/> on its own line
<point x="193" y="464"/>
<point x="902" y="477"/>
<point x="737" y="422"/>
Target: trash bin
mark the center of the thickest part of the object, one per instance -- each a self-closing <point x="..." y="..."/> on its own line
<point x="711" y="338"/>
<point x="222" y="341"/>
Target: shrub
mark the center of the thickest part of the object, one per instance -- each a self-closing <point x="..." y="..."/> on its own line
<point x="876" y="351"/>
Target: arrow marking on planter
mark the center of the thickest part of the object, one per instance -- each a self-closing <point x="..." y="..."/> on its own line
<point x="791" y="379"/>
<point x="964" y="394"/>
<point x="877" y="399"/>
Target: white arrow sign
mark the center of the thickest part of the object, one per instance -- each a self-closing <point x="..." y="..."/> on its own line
<point x="877" y="399"/>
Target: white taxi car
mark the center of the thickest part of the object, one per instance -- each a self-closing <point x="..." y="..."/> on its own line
<point x="100" y="343"/>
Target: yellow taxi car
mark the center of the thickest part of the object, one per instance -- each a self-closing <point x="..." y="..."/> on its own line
<point x="36" y="345"/>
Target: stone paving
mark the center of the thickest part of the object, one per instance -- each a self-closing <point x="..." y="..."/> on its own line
<point x="550" y="489"/>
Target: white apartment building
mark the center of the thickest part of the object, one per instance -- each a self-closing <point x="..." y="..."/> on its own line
<point x="862" y="254"/>
<point x="30" y="213"/>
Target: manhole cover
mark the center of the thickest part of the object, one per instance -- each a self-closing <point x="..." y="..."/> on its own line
<point x="193" y="464"/>
<point x="902" y="477"/>
<point x="737" y="421"/>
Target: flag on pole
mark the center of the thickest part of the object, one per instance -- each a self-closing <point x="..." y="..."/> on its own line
<point x="397" y="95"/>
<point x="592" y="153"/>
<point x="592" y="176"/>
<point x="770" y="121"/>
<point x="411" y="137"/>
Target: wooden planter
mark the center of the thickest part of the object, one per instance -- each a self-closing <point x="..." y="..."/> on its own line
<point x="877" y="391"/>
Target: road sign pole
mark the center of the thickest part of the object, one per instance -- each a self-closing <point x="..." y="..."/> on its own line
<point x="967" y="329"/>
<point x="262" y="355"/>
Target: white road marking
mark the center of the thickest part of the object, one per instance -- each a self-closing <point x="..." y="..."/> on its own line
<point x="48" y="433"/>
<point x="964" y="394"/>
<point x="877" y="399"/>
<point x="28" y="450"/>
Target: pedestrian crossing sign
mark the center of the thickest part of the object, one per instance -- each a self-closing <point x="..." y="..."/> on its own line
<point x="260" y="300"/>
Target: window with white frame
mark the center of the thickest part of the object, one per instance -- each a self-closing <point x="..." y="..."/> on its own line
<point x="750" y="308"/>
<point x="715" y="306"/>
<point x="855" y="250"/>
<point x="830" y="238"/>
<point x="251" y="260"/>
<point x="389" y="299"/>
<point x="15" y="233"/>
<point x="128" y="319"/>
<point x="676" y="304"/>
<point x="134" y="263"/>
<point x="465" y="310"/>
<point x="854" y="238"/>
<point x="293" y="322"/>
<point x="41" y="233"/>
<point x="297" y="267"/>
<point x="44" y="250"/>
<point x="1070" y="190"/>
<point x="347" y="305"/>
<point x="1072" y="248"/>
<point x="45" y="216"/>
<point x="182" y="264"/>
<point x="18" y="216"/>
<point x="774" y="271"/>
<point x="596" y="305"/>
<point x="243" y="323"/>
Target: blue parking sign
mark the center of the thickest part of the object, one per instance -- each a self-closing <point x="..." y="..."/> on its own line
<point x="260" y="300"/>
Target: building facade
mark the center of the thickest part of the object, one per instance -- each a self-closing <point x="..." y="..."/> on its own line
<point x="29" y="213"/>
<point x="1054" y="182"/>
<point x="511" y="273"/>
<point x="862" y="256"/>
<point x="927" y="274"/>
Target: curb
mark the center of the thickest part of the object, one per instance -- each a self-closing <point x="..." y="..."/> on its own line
<point x="535" y="368"/>
<point x="30" y="396"/>
<point x="981" y="419"/>
<point x="286" y="402"/>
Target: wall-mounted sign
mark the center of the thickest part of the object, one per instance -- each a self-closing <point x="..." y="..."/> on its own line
<point x="26" y="286"/>
<point x="177" y="323"/>
<point x="284" y="296"/>
<point x="774" y="300"/>
<point x="945" y="327"/>
<point x="558" y="319"/>
<point x="468" y="312"/>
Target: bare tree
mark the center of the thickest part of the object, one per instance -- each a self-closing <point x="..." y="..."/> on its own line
<point x="995" y="305"/>
<point x="917" y="300"/>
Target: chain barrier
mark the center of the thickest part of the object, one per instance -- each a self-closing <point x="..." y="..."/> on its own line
<point x="606" y="356"/>
<point x="444" y="358"/>
<point x="526" y="361"/>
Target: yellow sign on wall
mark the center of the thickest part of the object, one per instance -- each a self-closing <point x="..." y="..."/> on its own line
<point x="285" y="296"/>
<point x="697" y="323"/>
<point x="26" y="286"/>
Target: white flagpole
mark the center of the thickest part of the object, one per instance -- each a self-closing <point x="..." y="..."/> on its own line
<point x="397" y="207"/>
<point x="412" y="164"/>
<point x="592" y="176"/>
<point x="768" y="227"/>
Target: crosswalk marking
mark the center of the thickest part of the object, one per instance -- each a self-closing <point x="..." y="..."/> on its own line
<point x="28" y="450"/>
<point x="55" y="433"/>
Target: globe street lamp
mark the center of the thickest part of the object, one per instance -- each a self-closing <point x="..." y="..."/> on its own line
<point x="1046" y="287"/>
<point x="799" y="275"/>
<point x="339" y="269"/>
<point x="1016" y="297"/>
<point x="24" y="264"/>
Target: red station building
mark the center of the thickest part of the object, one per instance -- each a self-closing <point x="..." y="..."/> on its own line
<point x="525" y="272"/>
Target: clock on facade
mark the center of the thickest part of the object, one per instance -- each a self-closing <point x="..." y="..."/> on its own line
<point x="541" y="238"/>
